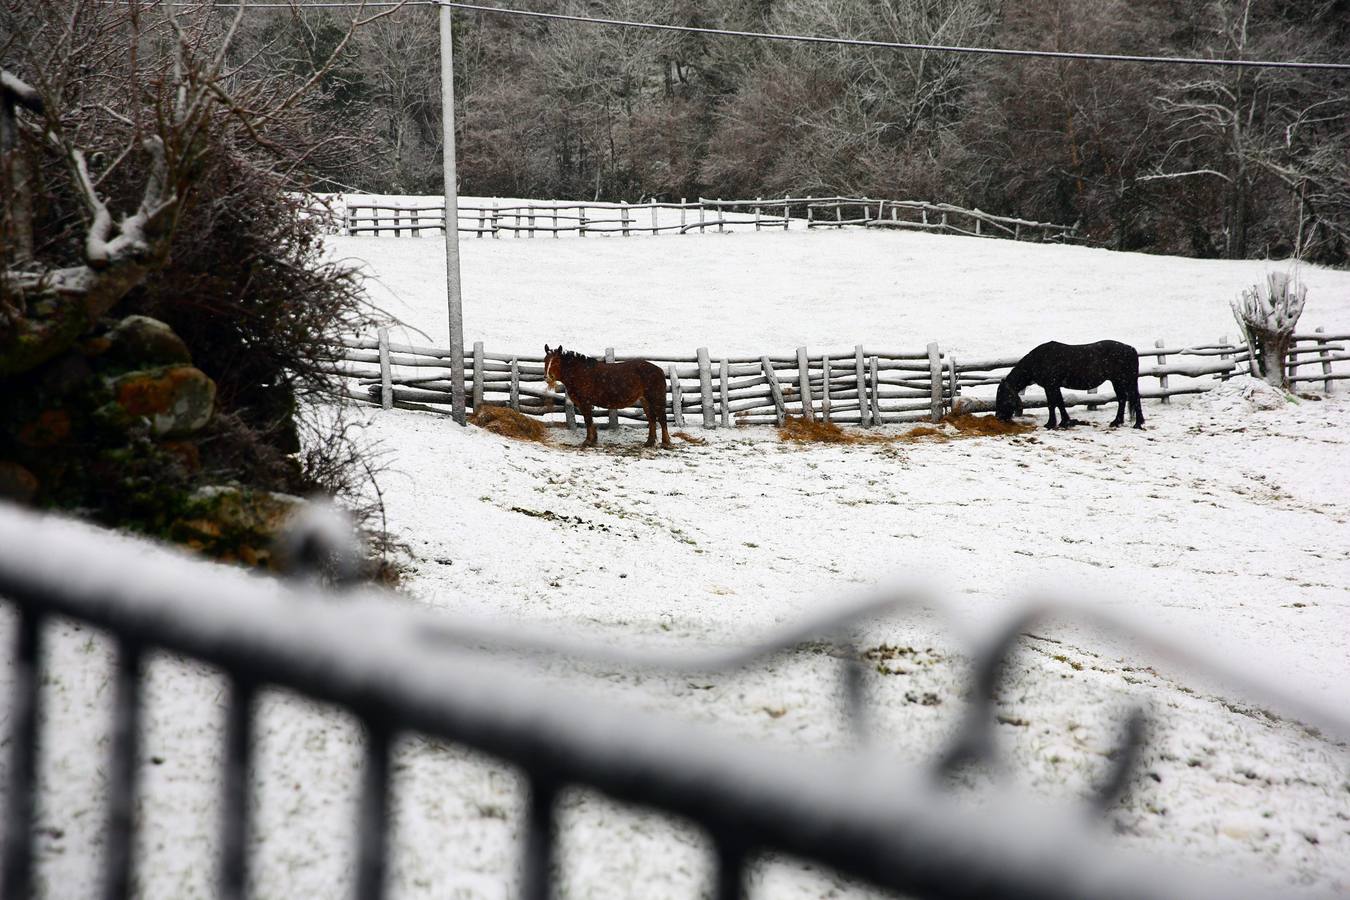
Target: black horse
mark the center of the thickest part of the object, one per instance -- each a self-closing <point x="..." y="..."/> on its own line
<point x="1053" y="365"/>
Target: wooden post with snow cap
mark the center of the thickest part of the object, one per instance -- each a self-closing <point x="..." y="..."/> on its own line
<point x="877" y="418"/>
<point x="705" y="387"/>
<point x="825" y="388"/>
<point x="863" y="418"/>
<point x="676" y="398"/>
<point x="1162" y="379"/>
<point x="613" y="413"/>
<point x="804" y="384"/>
<point x="1223" y="357"/>
<point x="725" y="377"/>
<point x="780" y="409"/>
<point x="477" y="375"/>
<point x="623" y="216"/>
<point x="386" y="377"/>
<point x="1326" y="363"/>
<point x="515" y="384"/>
<point x="935" y="377"/>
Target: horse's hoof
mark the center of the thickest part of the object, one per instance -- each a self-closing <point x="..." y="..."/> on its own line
<point x="650" y="444"/>
<point x="1050" y="425"/>
<point x="1140" y="426"/>
<point x="667" y="446"/>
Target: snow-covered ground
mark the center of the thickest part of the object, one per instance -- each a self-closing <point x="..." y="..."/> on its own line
<point x="1223" y="524"/>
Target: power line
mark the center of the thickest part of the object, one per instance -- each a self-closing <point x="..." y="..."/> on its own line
<point x="814" y="39"/>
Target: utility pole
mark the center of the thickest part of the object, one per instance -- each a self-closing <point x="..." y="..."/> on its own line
<point x="452" y="285"/>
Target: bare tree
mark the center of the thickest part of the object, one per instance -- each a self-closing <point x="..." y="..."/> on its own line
<point x="1268" y="315"/>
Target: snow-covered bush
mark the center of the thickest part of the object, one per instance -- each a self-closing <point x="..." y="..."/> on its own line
<point x="1267" y="314"/>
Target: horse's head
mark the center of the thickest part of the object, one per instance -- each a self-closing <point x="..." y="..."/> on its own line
<point x="553" y="366"/>
<point x="1008" y="402"/>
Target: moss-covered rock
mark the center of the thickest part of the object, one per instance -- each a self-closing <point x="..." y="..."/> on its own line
<point x="142" y="341"/>
<point x="174" y="400"/>
<point x="232" y="523"/>
<point x="16" y="482"/>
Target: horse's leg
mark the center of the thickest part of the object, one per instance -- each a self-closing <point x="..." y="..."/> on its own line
<point x="1122" y="390"/>
<point x="651" y="421"/>
<point x="1052" y="400"/>
<point x="660" y="403"/>
<point x="590" y="425"/>
<point x="1137" y="404"/>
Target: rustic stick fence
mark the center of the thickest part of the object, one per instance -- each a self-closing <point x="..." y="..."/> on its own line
<point x="867" y="386"/>
<point x="412" y="219"/>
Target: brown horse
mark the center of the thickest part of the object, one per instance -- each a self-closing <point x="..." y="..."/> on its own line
<point x="590" y="382"/>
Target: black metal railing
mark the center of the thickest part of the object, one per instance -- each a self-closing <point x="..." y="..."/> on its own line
<point x="401" y="669"/>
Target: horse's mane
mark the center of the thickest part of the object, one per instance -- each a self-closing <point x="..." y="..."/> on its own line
<point x="579" y="358"/>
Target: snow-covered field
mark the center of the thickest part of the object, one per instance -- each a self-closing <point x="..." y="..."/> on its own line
<point x="1222" y="524"/>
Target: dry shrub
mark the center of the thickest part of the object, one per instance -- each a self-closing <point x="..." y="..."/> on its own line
<point x="968" y="423"/>
<point x="505" y="421"/>
<point x="687" y="438"/>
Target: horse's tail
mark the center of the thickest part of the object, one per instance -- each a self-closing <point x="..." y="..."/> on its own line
<point x="654" y="389"/>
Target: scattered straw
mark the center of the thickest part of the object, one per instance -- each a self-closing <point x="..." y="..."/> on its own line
<point x="799" y="430"/>
<point x="688" y="438"/>
<point x="968" y="423"/>
<point x="505" y="421"/>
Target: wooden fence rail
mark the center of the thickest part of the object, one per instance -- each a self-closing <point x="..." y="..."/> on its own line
<point x="866" y="386"/>
<point x="355" y="216"/>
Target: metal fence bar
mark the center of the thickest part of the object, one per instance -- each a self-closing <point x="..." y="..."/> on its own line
<point x="373" y="812"/>
<point x="126" y="728"/>
<point x="20" y="804"/>
<point x="540" y="840"/>
<point x="235" y="790"/>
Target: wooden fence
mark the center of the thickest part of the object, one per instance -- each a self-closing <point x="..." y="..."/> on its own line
<point x="868" y="386"/>
<point x="359" y="217"/>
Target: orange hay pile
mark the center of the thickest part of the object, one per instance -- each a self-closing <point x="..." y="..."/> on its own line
<point x="968" y="423"/>
<point x="923" y="431"/>
<point x="799" y="430"/>
<point x="687" y="438"/>
<point x="505" y="421"/>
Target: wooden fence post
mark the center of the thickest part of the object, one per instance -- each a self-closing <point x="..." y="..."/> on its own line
<point x="877" y="418"/>
<point x="570" y="413"/>
<point x="810" y="213"/>
<point x="555" y="221"/>
<point x="655" y="230"/>
<point x="477" y="375"/>
<point x="953" y="380"/>
<point x="1291" y="364"/>
<point x="349" y="219"/>
<point x="623" y="216"/>
<point x="787" y="213"/>
<point x="863" y="418"/>
<point x="825" y="394"/>
<point x="700" y="216"/>
<point x="496" y="232"/>
<point x="386" y="377"/>
<point x="416" y="230"/>
<point x="725" y="374"/>
<point x="515" y="384"/>
<point x="613" y="413"/>
<point x="757" y="211"/>
<point x="531" y="220"/>
<point x="684" y="209"/>
<point x="1162" y="361"/>
<point x="804" y="384"/>
<point x="1223" y="357"/>
<point x="705" y="387"/>
<point x="676" y="397"/>
<point x="780" y="409"/>
<point x="935" y="377"/>
<point x="721" y="218"/>
<point x="581" y="221"/>
<point x="1326" y="363"/>
<point x="481" y="225"/>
